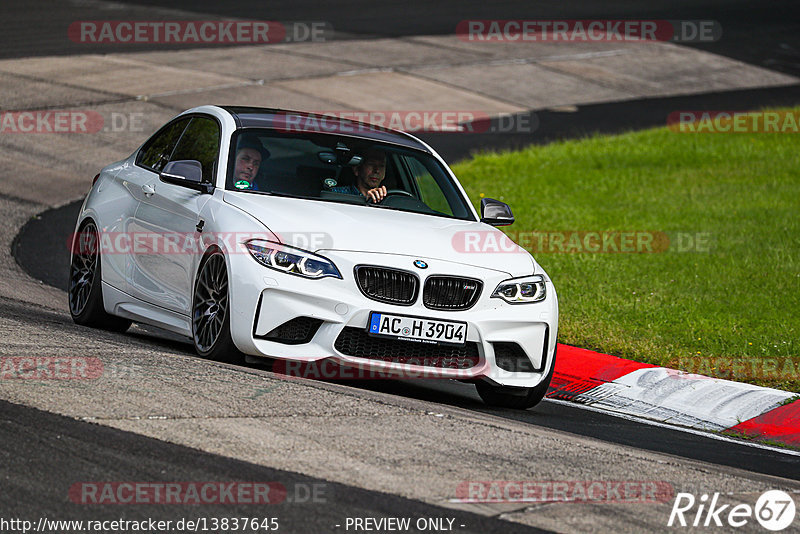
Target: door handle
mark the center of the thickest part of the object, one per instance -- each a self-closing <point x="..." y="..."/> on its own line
<point x="149" y="189"/>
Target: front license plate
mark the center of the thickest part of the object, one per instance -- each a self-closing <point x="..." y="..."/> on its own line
<point x="417" y="329"/>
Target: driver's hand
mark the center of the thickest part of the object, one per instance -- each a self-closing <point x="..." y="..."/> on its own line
<point x="376" y="195"/>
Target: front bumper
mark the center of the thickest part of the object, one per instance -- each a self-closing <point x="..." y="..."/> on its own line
<point x="263" y="299"/>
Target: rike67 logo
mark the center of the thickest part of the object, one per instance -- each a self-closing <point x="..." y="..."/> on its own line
<point x="774" y="510"/>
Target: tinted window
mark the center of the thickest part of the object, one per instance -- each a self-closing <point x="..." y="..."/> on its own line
<point x="155" y="154"/>
<point x="429" y="190"/>
<point x="331" y="168"/>
<point x="200" y="142"/>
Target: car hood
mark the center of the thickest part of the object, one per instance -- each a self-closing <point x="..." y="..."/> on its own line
<point x="318" y="226"/>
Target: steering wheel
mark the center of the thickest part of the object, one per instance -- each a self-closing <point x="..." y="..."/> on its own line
<point x="398" y="192"/>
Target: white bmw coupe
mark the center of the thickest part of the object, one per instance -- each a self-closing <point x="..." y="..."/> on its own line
<point x="303" y="238"/>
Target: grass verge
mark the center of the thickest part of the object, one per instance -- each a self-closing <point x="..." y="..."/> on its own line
<point x="718" y="293"/>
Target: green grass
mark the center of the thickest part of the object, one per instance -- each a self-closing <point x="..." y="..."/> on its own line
<point x="731" y="309"/>
<point x="763" y="441"/>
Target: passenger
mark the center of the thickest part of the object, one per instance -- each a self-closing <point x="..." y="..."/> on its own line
<point x="369" y="175"/>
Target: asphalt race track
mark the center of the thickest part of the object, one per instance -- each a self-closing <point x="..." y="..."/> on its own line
<point x="762" y="34"/>
<point x="38" y="236"/>
<point x="98" y="452"/>
<point x="373" y="449"/>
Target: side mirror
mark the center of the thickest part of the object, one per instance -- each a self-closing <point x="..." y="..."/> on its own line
<point x="496" y="213"/>
<point x="186" y="173"/>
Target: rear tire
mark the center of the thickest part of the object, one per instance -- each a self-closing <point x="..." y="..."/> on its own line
<point x="211" y="326"/>
<point x="513" y="397"/>
<point x="85" y="284"/>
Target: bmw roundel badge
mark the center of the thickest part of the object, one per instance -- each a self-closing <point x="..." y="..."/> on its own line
<point x="421" y="264"/>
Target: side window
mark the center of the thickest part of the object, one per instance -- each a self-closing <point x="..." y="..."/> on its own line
<point x="155" y="154"/>
<point x="200" y="142"/>
<point x="429" y="190"/>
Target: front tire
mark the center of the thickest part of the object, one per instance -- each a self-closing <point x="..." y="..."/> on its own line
<point x="211" y="327"/>
<point x="513" y="397"/>
<point x="85" y="284"/>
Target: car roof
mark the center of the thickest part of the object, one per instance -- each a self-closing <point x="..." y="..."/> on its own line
<point x="326" y="123"/>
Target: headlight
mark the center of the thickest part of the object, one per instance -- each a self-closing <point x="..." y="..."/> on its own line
<point x="291" y="260"/>
<point x="522" y="290"/>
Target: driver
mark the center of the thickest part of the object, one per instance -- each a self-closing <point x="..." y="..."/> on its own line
<point x="249" y="155"/>
<point x="369" y="175"/>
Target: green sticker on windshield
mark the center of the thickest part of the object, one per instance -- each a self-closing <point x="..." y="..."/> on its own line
<point x="242" y="184"/>
<point x="330" y="182"/>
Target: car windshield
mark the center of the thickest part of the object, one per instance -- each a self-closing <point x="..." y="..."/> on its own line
<point x="335" y="168"/>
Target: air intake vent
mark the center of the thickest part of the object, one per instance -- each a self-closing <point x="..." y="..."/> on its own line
<point x="294" y="332"/>
<point x="357" y="342"/>
<point x="387" y="285"/>
<point x="510" y="357"/>
<point x="451" y="293"/>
